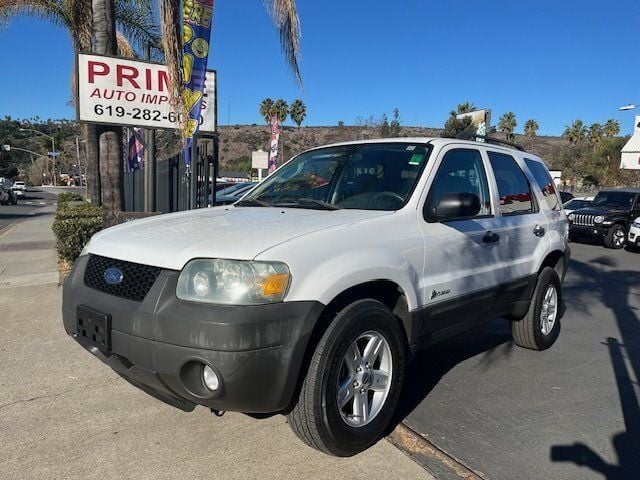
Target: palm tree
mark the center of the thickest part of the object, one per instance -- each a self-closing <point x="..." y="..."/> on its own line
<point x="298" y="112"/>
<point x="465" y="107"/>
<point x="136" y="24"/>
<point x="531" y="128"/>
<point x="507" y="124"/>
<point x="280" y="110"/>
<point x="266" y="110"/>
<point x="576" y="132"/>
<point x="595" y="134"/>
<point x="611" y="128"/>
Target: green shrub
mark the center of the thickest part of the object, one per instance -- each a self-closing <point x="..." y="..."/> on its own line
<point x="66" y="197"/>
<point x="74" y="225"/>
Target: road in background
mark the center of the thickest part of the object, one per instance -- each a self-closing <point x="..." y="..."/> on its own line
<point x="569" y="412"/>
<point x="35" y="199"/>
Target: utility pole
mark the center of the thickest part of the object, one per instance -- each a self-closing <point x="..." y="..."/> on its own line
<point x="78" y="159"/>
<point x="150" y="176"/>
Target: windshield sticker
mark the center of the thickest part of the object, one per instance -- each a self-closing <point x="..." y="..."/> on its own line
<point x="416" y="159"/>
<point x="410" y="148"/>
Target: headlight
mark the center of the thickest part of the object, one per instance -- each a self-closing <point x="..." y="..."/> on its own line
<point x="636" y="224"/>
<point x="598" y="219"/>
<point x="233" y="282"/>
<point x="570" y="217"/>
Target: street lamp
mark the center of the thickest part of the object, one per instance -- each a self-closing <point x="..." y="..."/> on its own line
<point x="53" y="148"/>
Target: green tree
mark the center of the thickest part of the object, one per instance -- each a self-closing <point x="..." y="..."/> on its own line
<point x="280" y="110"/>
<point x="507" y="124"/>
<point x="298" y="112"/>
<point x="531" y="128"/>
<point x="611" y="128"/>
<point x="594" y="134"/>
<point x="576" y="132"/>
<point x="394" y="127"/>
<point x="465" y="107"/>
<point x="136" y="26"/>
<point x="454" y="128"/>
<point x="266" y="110"/>
<point x="385" y="128"/>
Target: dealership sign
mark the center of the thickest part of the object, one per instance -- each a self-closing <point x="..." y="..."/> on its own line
<point x="135" y="93"/>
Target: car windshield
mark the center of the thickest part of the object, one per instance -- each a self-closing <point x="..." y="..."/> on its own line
<point x="622" y="200"/>
<point x="576" y="204"/>
<point x="231" y="189"/>
<point x="374" y="176"/>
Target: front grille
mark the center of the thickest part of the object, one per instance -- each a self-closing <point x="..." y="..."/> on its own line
<point x="583" y="219"/>
<point x="136" y="282"/>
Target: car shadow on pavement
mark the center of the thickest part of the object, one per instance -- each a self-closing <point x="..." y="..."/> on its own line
<point x="612" y="288"/>
<point x="429" y="366"/>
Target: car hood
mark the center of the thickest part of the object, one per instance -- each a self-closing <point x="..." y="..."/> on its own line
<point x="170" y="241"/>
<point x="600" y="211"/>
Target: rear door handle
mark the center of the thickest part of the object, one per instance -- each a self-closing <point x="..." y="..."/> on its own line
<point x="490" y="237"/>
<point x="539" y="231"/>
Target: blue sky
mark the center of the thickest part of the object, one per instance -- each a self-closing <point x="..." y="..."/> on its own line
<point x="554" y="61"/>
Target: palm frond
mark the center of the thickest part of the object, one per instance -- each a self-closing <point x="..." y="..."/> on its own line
<point x="80" y="13"/>
<point x="285" y="17"/>
<point x="124" y="47"/>
<point x="50" y="10"/>
<point x="136" y="21"/>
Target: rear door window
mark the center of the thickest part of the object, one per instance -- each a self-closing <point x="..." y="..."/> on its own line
<point x="513" y="186"/>
<point x="545" y="183"/>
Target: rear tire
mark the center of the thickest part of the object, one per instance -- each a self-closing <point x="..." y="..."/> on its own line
<point x="540" y="327"/>
<point x="616" y="237"/>
<point x="317" y="418"/>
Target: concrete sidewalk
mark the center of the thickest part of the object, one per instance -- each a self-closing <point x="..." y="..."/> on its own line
<point x="63" y="414"/>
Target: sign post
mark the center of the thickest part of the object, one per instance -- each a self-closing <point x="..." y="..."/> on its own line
<point x="260" y="161"/>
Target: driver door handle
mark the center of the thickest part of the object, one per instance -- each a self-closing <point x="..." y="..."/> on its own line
<point x="490" y="237"/>
<point x="539" y="231"/>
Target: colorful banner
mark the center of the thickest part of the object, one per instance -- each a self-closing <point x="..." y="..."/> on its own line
<point x="135" y="156"/>
<point x="197" y="17"/>
<point x="275" y="139"/>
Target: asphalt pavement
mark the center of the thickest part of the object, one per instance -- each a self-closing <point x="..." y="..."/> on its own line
<point x="34" y="200"/>
<point x="570" y="412"/>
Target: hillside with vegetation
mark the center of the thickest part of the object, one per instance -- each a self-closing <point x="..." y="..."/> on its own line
<point x="582" y="159"/>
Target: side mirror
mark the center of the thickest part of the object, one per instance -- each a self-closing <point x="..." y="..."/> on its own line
<point x="454" y="205"/>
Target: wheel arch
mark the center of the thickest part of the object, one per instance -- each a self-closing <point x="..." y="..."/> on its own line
<point x="556" y="260"/>
<point x="385" y="291"/>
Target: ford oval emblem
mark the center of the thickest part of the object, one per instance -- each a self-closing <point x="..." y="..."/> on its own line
<point x="113" y="276"/>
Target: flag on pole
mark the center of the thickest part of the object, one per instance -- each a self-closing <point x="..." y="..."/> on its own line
<point x="275" y="139"/>
<point x="197" y="17"/>
<point x="135" y="156"/>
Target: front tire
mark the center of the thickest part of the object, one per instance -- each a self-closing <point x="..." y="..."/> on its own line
<point x="540" y="327"/>
<point x="616" y="237"/>
<point x="353" y="384"/>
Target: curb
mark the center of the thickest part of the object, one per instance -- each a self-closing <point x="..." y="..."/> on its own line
<point x="429" y="456"/>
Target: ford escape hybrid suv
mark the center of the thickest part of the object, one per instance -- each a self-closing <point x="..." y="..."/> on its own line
<point x="309" y="295"/>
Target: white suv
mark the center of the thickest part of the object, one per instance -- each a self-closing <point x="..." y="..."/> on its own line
<point x="309" y="295"/>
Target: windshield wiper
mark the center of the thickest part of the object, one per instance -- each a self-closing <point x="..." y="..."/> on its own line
<point x="305" y="201"/>
<point x="253" y="202"/>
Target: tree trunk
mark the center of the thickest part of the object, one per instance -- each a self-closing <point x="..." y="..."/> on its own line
<point x="90" y="135"/>
<point x="110" y="151"/>
<point x="112" y="181"/>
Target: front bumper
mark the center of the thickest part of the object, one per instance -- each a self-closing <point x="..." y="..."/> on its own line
<point x="587" y="231"/>
<point x="634" y="237"/>
<point x="257" y="351"/>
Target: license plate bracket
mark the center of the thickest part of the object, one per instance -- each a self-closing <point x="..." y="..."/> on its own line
<point x="94" y="327"/>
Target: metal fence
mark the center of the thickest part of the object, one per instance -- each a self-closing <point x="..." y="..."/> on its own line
<point x="176" y="190"/>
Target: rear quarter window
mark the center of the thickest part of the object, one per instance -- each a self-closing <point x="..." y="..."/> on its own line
<point x="544" y="182"/>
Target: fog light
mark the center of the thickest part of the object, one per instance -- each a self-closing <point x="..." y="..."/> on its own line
<point x="210" y="378"/>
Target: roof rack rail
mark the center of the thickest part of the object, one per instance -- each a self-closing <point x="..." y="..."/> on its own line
<point x="496" y="141"/>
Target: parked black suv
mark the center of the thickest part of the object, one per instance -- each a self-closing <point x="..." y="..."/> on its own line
<point x="608" y="217"/>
